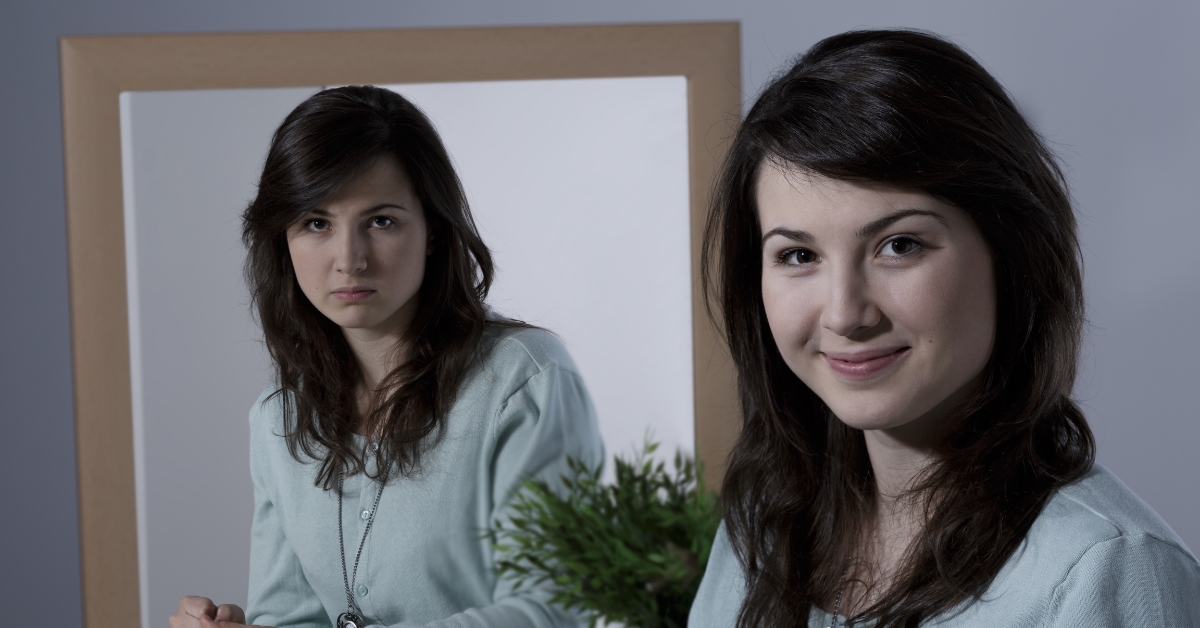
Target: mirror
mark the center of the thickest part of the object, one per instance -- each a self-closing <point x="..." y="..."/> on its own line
<point x="588" y="224"/>
<point x="166" y="360"/>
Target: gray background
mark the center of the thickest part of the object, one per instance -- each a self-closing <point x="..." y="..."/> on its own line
<point x="1114" y="85"/>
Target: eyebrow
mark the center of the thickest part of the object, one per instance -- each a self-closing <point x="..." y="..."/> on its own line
<point x="366" y="212"/>
<point x="866" y="231"/>
<point x="874" y="227"/>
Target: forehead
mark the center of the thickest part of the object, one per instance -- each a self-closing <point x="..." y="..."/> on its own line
<point x="788" y="196"/>
<point x="383" y="181"/>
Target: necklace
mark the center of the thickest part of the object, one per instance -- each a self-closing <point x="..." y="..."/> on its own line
<point x="837" y="606"/>
<point x="352" y="618"/>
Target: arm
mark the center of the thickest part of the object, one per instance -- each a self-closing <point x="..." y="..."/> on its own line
<point x="280" y="595"/>
<point x="548" y="418"/>
<point x="719" y="598"/>
<point x="1129" y="582"/>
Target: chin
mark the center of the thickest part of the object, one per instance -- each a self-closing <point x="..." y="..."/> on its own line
<point x="352" y="320"/>
<point x="359" y="324"/>
<point x="874" y="414"/>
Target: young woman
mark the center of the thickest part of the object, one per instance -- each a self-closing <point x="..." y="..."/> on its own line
<point x="404" y="415"/>
<point x="895" y="258"/>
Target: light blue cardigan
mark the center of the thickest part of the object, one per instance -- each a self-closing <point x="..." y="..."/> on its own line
<point x="426" y="561"/>
<point x="1096" y="557"/>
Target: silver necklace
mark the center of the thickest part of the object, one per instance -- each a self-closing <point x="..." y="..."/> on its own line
<point x="837" y="606"/>
<point x="352" y="618"/>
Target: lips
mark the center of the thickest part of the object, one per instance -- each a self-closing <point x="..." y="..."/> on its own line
<point x="864" y="364"/>
<point x="351" y="294"/>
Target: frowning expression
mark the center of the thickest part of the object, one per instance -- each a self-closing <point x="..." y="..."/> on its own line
<point x="360" y="256"/>
<point x="882" y="300"/>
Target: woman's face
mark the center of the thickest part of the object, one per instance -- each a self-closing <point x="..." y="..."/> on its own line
<point x="881" y="300"/>
<point x="360" y="256"/>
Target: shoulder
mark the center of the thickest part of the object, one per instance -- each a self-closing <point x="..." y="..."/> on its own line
<point x="266" y="413"/>
<point x="515" y="358"/>
<point x="1093" y="552"/>
<point x="268" y="447"/>
<point x="719" y="598"/>
<point x="1103" y="554"/>
<point x="1099" y="508"/>
<point x="271" y="461"/>
<point x="526" y="348"/>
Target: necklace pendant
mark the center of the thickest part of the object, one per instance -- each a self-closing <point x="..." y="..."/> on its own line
<point x="350" y="620"/>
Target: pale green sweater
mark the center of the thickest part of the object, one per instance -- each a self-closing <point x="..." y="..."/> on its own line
<point x="1096" y="557"/>
<point x="426" y="562"/>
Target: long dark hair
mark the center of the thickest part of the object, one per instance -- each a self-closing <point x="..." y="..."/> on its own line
<point x="913" y="110"/>
<point x="322" y="144"/>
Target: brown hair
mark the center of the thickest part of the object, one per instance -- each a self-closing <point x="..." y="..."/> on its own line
<point x="321" y="145"/>
<point x="912" y="110"/>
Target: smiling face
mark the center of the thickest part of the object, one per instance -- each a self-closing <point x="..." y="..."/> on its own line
<point x="360" y="256"/>
<point x="881" y="300"/>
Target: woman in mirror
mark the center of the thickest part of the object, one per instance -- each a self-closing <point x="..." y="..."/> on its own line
<point x="404" y="415"/>
<point x="895" y="258"/>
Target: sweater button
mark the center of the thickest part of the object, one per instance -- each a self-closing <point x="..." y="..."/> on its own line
<point x="362" y="589"/>
<point x="366" y="514"/>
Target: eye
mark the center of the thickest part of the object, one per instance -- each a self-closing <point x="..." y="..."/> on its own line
<point x="900" y="246"/>
<point x="382" y="221"/>
<point x="797" y="257"/>
<point x="316" y="224"/>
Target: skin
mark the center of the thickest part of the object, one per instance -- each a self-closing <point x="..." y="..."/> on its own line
<point x="371" y="236"/>
<point x="854" y="271"/>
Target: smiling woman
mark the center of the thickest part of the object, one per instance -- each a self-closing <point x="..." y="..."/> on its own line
<point x="884" y="304"/>
<point x="894" y="252"/>
<point x="404" y="414"/>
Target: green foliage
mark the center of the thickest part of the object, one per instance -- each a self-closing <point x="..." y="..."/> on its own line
<point x="632" y="552"/>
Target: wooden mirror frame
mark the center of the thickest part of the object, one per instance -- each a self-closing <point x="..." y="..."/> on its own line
<point x="95" y="70"/>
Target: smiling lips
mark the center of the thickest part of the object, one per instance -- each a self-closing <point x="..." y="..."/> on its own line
<point x="352" y="294"/>
<point x="863" y="364"/>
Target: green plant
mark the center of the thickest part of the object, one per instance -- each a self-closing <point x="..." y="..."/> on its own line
<point x="631" y="552"/>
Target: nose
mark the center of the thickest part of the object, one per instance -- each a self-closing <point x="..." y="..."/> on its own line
<point x="350" y="256"/>
<point x="849" y="308"/>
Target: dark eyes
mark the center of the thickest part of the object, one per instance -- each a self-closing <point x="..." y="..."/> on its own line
<point x="320" y="224"/>
<point x="898" y="246"/>
<point x="797" y="256"/>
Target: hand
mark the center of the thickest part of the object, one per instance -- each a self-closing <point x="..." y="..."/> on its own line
<point x="200" y="612"/>
<point x="227" y="623"/>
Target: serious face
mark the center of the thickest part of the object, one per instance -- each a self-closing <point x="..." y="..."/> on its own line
<point x="360" y="256"/>
<point x="881" y="300"/>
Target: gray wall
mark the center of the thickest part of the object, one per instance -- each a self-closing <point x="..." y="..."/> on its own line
<point x="1113" y="84"/>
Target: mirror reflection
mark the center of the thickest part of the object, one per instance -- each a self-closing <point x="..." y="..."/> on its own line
<point x="578" y="187"/>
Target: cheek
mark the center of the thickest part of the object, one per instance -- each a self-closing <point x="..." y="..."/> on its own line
<point x="791" y="314"/>
<point x="951" y="309"/>
<point x="307" y="266"/>
<point x="976" y="314"/>
<point x="403" y="261"/>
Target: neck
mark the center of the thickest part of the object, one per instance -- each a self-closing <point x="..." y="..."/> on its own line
<point x="377" y="354"/>
<point x="377" y="351"/>
<point x="897" y="462"/>
<point x="900" y="457"/>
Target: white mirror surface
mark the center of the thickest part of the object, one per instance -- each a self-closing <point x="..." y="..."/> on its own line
<point x="580" y="187"/>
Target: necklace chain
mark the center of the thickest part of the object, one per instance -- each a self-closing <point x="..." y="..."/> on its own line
<point x="351" y="617"/>
<point x="837" y="605"/>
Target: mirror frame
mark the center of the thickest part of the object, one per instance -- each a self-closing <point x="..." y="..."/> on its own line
<point x="95" y="70"/>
